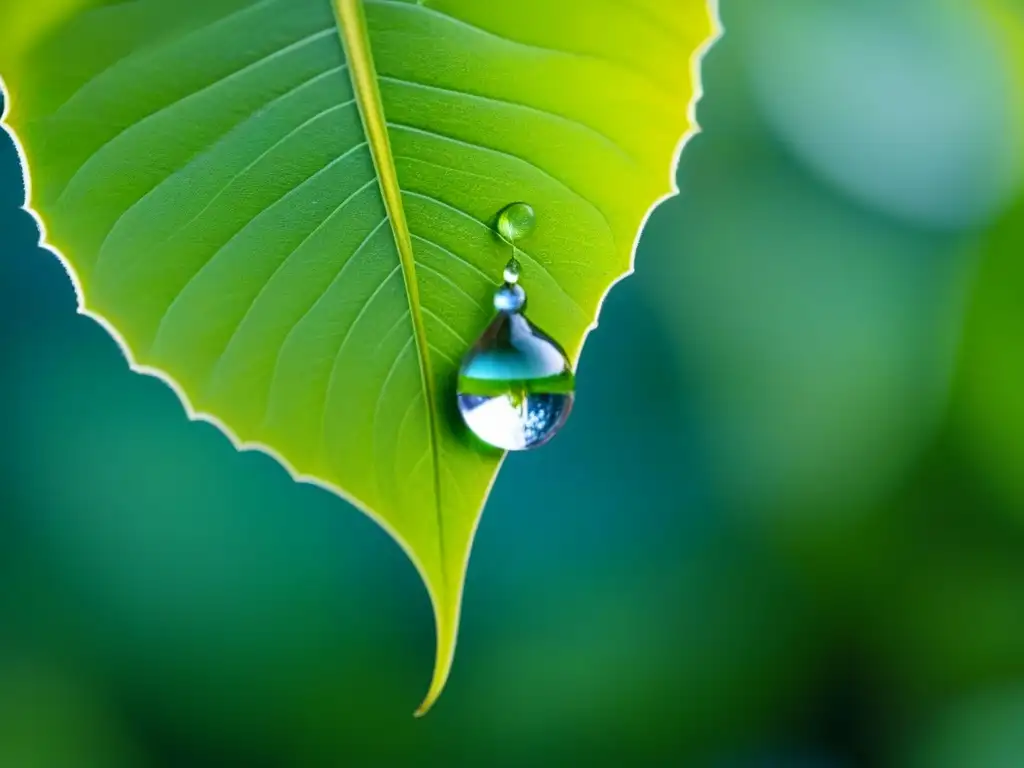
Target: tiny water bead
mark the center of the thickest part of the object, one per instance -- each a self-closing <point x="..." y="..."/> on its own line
<point x="516" y="385"/>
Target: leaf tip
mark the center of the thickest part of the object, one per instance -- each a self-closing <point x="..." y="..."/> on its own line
<point x="447" y="626"/>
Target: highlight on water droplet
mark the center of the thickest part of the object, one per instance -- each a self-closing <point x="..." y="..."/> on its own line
<point x="516" y="221"/>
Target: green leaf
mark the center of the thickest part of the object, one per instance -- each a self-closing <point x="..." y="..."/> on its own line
<point x="284" y="209"/>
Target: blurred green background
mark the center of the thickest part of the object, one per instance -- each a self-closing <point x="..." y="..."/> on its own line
<point x="783" y="529"/>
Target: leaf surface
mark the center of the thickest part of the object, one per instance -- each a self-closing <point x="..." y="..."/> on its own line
<point x="285" y="210"/>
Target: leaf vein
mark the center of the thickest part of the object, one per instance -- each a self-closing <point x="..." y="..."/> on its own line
<point x="383" y="394"/>
<point x="447" y="327"/>
<point x="344" y="342"/>
<point x="506" y="154"/>
<point x="220" y="81"/>
<point x="313" y="306"/>
<point x="548" y="50"/>
<point x="533" y="260"/>
<point x="205" y="265"/>
<point x="452" y="283"/>
<point x="327" y="219"/>
<point x="233" y="15"/>
<point x="453" y="255"/>
<point x="236" y="176"/>
<point x="604" y="138"/>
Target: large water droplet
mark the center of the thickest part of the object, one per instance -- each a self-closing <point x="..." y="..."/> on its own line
<point x="516" y="385"/>
<point x="516" y="221"/>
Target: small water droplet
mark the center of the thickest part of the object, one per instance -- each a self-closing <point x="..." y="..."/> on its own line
<point x="510" y="298"/>
<point x="511" y="274"/>
<point x="516" y="385"/>
<point x="516" y="221"/>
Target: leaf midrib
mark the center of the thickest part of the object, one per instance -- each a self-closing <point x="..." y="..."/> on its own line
<point x="355" y="39"/>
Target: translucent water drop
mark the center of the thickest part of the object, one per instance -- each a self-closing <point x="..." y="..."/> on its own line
<point x="511" y="273"/>
<point x="509" y="298"/>
<point x="516" y="221"/>
<point x="516" y="385"/>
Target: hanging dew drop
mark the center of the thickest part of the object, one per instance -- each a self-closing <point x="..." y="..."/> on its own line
<point x="511" y="273"/>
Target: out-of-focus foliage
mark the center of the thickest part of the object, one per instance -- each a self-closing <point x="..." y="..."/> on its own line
<point x="785" y="528"/>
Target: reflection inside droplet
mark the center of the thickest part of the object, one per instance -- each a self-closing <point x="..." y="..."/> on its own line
<point x="515" y="424"/>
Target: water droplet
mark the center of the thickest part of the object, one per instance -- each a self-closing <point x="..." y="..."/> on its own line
<point x="511" y="274"/>
<point x="510" y="298"/>
<point x="516" y="221"/>
<point x="516" y="385"/>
